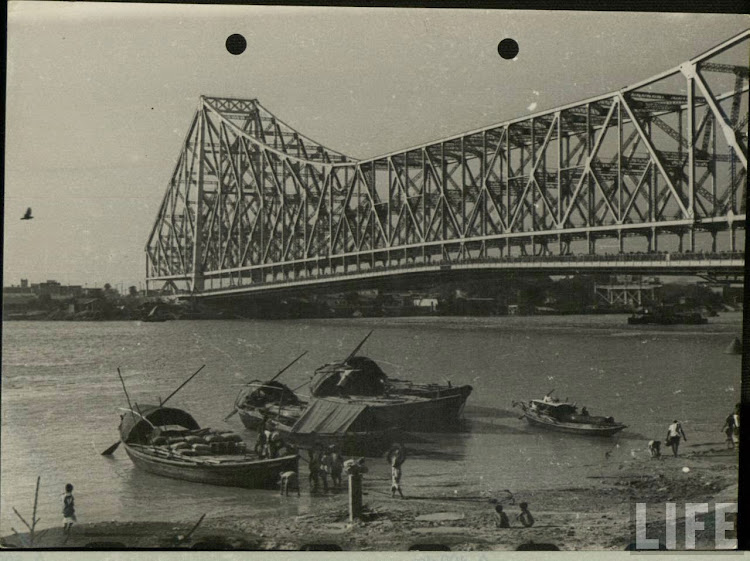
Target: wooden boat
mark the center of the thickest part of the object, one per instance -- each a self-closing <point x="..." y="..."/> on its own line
<point x="269" y="400"/>
<point x="393" y="403"/>
<point x="154" y="316"/>
<point x="552" y="414"/>
<point x="396" y="403"/>
<point x="166" y="441"/>
<point x="666" y="315"/>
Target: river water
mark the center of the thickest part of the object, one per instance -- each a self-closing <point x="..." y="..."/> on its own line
<point x="61" y="393"/>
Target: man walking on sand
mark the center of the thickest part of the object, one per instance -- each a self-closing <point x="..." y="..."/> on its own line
<point x="396" y="457"/>
<point x="732" y="428"/>
<point x="674" y="432"/>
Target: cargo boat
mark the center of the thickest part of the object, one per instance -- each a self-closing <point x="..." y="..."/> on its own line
<point x="152" y="435"/>
<point x="666" y="315"/>
<point x="392" y="403"/>
<point x="552" y="414"/>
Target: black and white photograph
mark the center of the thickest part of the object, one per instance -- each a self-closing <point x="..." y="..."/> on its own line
<point x="314" y="278"/>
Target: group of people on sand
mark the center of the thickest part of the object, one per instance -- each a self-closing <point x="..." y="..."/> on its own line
<point x="675" y="434"/>
<point x="524" y="517"/>
<point x="325" y="463"/>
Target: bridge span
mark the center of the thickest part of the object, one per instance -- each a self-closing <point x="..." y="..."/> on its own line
<point x="647" y="179"/>
<point x="727" y="267"/>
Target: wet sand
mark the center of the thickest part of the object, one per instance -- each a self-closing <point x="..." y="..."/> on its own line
<point x="594" y="517"/>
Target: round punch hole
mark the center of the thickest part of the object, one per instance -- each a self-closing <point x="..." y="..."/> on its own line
<point x="508" y="49"/>
<point x="236" y="44"/>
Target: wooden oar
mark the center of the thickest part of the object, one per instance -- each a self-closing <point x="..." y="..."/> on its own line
<point x="182" y="385"/>
<point x="279" y="373"/>
<point x="286" y="367"/>
<point x="111" y="450"/>
<point x="354" y="352"/>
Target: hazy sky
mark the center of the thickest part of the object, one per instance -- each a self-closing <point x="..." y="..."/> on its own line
<point x="99" y="97"/>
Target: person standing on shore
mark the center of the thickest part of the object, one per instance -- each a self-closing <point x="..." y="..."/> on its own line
<point x="69" y="509"/>
<point x="325" y="467"/>
<point x="314" y="464"/>
<point x="396" y="457"/>
<point x="732" y="428"/>
<point x="337" y="466"/>
<point x="674" y="432"/>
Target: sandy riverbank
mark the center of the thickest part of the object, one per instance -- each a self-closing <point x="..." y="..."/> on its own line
<point x="592" y="517"/>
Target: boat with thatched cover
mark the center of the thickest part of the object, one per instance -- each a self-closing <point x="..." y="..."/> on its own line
<point x="169" y="442"/>
<point x="351" y="428"/>
<point x="551" y="413"/>
<point x="392" y="403"/>
<point x="259" y="402"/>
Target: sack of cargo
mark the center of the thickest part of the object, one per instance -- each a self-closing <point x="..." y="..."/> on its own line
<point x="214" y="438"/>
<point x="202" y="448"/>
<point x="158" y="441"/>
<point x="175" y="439"/>
<point x="180" y="446"/>
<point x="189" y="452"/>
<point x="195" y="439"/>
<point x="231" y="437"/>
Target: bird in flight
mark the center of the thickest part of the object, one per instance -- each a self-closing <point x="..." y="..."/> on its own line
<point x="27" y="216"/>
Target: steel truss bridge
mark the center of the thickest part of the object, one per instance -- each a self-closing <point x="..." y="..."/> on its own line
<point x="647" y="179"/>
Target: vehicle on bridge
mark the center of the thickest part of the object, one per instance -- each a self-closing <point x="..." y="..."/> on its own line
<point x="551" y="413"/>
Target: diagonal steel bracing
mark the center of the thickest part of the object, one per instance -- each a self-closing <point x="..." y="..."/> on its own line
<point x="251" y="201"/>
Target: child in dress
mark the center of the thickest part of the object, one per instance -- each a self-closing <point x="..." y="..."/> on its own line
<point x="69" y="509"/>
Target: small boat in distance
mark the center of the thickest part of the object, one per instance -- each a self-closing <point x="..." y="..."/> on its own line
<point x="666" y="315"/>
<point x="155" y="315"/>
<point x="169" y="442"/>
<point x="551" y="413"/>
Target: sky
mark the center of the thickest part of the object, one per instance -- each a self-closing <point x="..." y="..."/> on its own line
<point x="100" y="96"/>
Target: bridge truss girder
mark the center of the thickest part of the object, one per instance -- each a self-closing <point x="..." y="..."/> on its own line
<point x="251" y="199"/>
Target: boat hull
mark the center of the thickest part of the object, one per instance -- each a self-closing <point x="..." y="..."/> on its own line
<point x="424" y="412"/>
<point x="415" y="414"/>
<point x="255" y="474"/>
<point x="573" y="428"/>
<point x="682" y="319"/>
